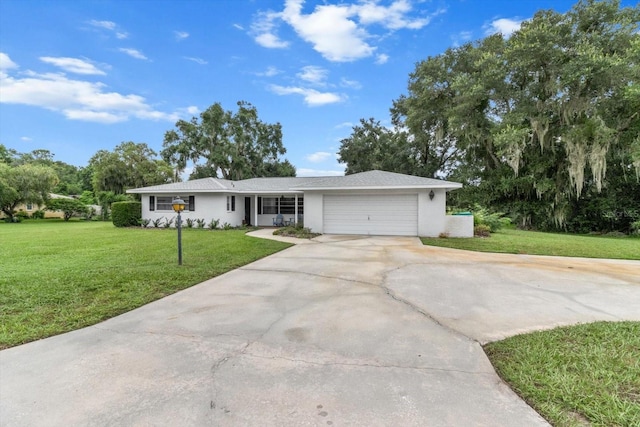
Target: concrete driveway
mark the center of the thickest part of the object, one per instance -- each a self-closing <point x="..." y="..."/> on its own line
<point x="343" y="331"/>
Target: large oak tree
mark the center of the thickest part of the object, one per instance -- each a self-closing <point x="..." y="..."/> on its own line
<point x="24" y="184"/>
<point x="230" y="145"/>
<point x="129" y="165"/>
<point x="544" y="124"/>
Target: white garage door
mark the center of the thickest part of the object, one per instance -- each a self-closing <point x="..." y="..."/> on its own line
<point x="391" y="215"/>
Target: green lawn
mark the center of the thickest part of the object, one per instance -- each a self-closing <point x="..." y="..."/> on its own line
<point x="537" y="243"/>
<point x="585" y="375"/>
<point x="59" y="276"/>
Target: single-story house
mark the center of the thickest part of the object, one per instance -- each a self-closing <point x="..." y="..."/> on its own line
<point x="30" y="208"/>
<point x="366" y="203"/>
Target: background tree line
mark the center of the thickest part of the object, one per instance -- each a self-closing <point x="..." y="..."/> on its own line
<point x="543" y="125"/>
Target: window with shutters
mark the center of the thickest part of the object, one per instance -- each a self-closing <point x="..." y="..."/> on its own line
<point x="231" y="203"/>
<point x="165" y="203"/>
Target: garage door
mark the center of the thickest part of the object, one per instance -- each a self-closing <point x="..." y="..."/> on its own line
<point x="392" y="215"/>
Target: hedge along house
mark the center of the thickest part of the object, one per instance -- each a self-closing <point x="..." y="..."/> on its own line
<point x="366" y="203"/>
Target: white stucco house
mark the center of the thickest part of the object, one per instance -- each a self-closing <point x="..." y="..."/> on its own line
<point x="367" y="203"/>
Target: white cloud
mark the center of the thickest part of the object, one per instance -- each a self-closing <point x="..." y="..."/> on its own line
<point x="196" y="60"/>
<point x="133" y="53"/>
<point x="269" y="72"/>
<point x="461" y="37"/>
<point x="353" y="84"/>
<point x="264" y="30"/>
<point x="78" y="99"/>
<point x="312" y="97"/>
<point x="25" y="139"/>
<point x="73" y="65"/>
<point x="313" y="74"/>
<point x="94" y="116"/>
<point x="316" y="172"/>
<point x="504" y="26"/>
<point x="270" y="41"/>
<point x="338" y="31"/>
<point x="330" y="30"/>
<point x="343" y="125"/>
<point x="382" y="58"/>
<point x="393" y="17"/>
<point x="6" y="63"/>
<point x="181" y="35"/>
<point x="109" y="26"/>
<point x="238" y="27"/>
<point x="319" y="156"/>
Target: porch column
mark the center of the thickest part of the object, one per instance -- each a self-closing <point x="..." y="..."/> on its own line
<point x="255" y="210"/>
<point x="295" y="211"/>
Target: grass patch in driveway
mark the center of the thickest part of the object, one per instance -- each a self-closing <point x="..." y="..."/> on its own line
<point x="59" y="276"/>
<point x="538" y="243"/>
<point x="580" y="375"/>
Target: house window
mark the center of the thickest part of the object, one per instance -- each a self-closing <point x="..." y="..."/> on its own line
<point x="287" y="205"/>
<point x="29" y="206"/>
<point x="165" y="203"/>
<point x="282" y="205"/>
<point x="231" y="203"/>
<point x="269" y="205"/>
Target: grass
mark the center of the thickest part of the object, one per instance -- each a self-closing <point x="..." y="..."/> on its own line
<point x="59" y="276"/>
<point x="537" y="243"/>
<point x="585" y="375"/>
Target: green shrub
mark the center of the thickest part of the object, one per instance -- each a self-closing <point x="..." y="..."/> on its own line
<point x="295" y="231"/>
<point x="190" y="222"/>
<point x="20" y="215"/>
<point x="635" y="228"/>
<point x="144" y="223"/>
<point x="169" y="222"/>
<point x="200" y="222"/>
<point x="157" y="222"/>
<point x="69" y="207"/>
<point x="482" y="230"/>
<point x="126" y="214"/>
<point x="494" y="221"/>
<point x="214" y="223"/>
<point x="39" y="214"/>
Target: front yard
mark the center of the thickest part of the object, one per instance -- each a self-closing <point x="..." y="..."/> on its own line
<point x="584" y="375"/>
<point x="537" y="243"/>
<point x="58" y="276"/>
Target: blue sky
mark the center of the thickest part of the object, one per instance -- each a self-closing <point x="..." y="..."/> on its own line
<point x="80" y="76"/>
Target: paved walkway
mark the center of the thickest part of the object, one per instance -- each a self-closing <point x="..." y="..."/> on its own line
<point x="343" y="331"/>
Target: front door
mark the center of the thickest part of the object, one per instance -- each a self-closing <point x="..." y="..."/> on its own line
<point x="247" y="210"/>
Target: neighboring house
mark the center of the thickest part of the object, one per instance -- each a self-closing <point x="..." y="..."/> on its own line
<point x="367" y="203"/>
<point x="30" y="208"/>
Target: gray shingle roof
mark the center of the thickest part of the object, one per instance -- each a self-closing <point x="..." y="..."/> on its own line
<point x="197" y="185"/>
<point x="364" y="180"/>
<point x="378" y="179"/>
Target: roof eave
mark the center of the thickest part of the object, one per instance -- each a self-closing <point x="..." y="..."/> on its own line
<point x="451" y="186"/>
<point x="234" y="191"/>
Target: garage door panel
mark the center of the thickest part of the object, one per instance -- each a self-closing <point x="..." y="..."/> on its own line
<point x="395" y="214"/>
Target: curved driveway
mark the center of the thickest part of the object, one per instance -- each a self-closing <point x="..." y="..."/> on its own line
<point x="343" y="331"/>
